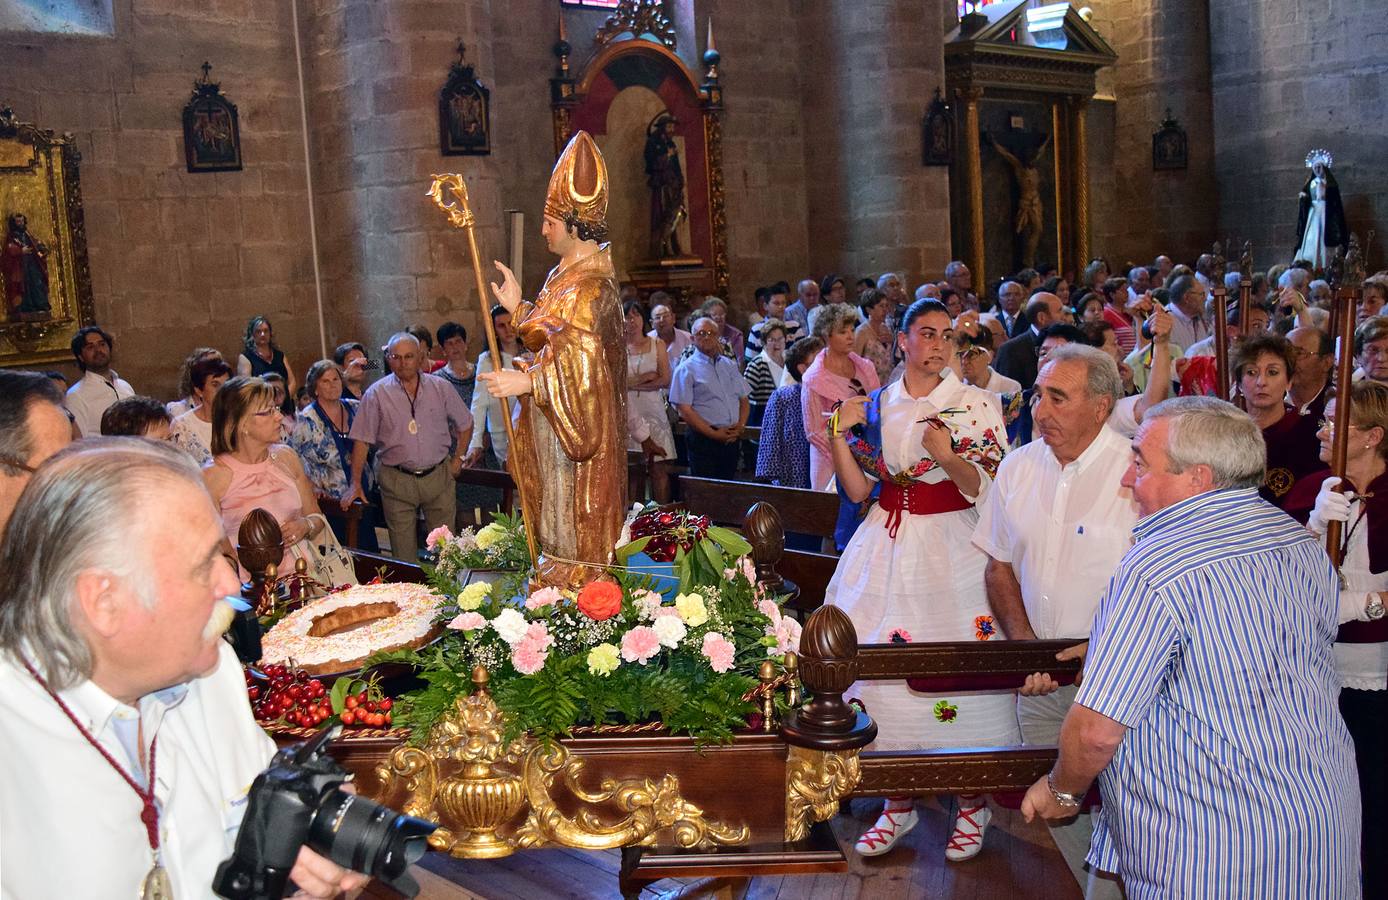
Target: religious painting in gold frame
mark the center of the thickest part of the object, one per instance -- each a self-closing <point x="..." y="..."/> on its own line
<point x="44" y="274"/>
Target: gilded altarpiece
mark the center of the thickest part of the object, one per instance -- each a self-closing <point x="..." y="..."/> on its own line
<point x="45" y="280"/>
<point x="1021" y="79"/>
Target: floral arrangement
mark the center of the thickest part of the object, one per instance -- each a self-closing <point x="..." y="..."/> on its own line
<point x="614" y="652"/>
<point x="498" y="545"/>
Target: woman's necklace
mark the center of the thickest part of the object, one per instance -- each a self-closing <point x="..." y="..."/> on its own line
<point x="341" y="413"/>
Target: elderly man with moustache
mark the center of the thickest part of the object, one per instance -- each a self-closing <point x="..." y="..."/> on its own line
<point x="129" y="744"/>
<point x="1208" y="710"/>
<point x="1056" y="524"/>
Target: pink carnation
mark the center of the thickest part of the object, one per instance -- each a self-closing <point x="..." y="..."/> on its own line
<point x="547" y="596"/>
<point x="719" y="651"/>
<point x="768" y="608"/>
<point x="468" y="621"/>
<point x="666" y="611"/>
<point x="787" y="633"/>
<point x="536" y="633"/>
<point x="438" y="536"/>
<point x="640" y="644"/>
<point x="528" y="658"/>
<point x="648" y="604"/>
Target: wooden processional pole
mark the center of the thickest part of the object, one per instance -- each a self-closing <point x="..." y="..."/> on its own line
<point x="1345" y="300"/>
<point x="460" y="216"/>
<point x="1221" y="345"/>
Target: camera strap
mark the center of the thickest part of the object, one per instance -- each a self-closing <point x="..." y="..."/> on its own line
<point x="156" y="885"/>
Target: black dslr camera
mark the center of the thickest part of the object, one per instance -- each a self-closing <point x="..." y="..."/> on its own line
<point x="298" y="800"/>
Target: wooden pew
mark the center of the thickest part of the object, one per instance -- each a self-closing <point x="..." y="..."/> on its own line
<point x="726" y="502"/>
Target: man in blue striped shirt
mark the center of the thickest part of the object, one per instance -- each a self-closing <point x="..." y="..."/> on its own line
<point x="1208" y="707"/>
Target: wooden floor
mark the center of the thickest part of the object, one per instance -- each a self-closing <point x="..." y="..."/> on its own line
<point x="1018" y="861"/>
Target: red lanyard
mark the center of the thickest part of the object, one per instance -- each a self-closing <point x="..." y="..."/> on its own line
<point x="149" y="814"/>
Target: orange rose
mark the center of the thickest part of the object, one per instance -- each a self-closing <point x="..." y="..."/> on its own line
<point x="600" y="600"/>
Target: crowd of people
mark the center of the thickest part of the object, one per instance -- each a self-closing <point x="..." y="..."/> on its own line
<point x="1050" y="460"/>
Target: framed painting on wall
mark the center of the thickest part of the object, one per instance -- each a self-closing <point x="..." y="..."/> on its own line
<point x="211" y="128"/>
<point x="45" y="280"/>
<point x="465" y="112"/>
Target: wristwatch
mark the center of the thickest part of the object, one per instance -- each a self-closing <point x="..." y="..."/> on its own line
<point x="1060" y="796"/>
<point x="1375" y="609"/>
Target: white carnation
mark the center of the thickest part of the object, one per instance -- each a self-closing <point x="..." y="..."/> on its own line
<point x="670" y="630"/>
<point x="511" y="625"/>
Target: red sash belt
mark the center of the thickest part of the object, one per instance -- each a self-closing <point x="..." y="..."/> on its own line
<point x="920" y="499"/>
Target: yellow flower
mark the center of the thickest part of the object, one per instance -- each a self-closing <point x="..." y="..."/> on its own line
<point x="603" y="659"/>
<point x="490" y="535"/>
<point x="691" y="609"/>
<point x="473" y="595"/>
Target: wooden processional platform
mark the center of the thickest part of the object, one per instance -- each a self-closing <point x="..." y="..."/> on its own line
<point x="1018" y="860"/>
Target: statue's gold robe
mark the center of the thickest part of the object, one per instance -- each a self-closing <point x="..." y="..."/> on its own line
<point x="570" y="457"/>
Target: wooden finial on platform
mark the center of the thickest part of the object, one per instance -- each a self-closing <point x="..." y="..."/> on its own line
<point x="828" y="664"/>
<point x="259" y="547"/>
<point x="763" y="529"/>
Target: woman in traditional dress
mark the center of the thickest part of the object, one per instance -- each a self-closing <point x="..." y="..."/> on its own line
<point x="926" y="447"/>
<point x="1361" y="647"/>
<point x="1263" y="365"/>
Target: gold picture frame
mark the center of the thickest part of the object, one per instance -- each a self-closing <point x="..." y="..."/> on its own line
<point x="45" y="265"/>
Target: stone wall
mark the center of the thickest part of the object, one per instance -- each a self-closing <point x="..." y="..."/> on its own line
<point x="179" y="260"/>
<point x="1163" y="62"/>
<point x="1289" y="77"/>
<point x="869" y="72"/>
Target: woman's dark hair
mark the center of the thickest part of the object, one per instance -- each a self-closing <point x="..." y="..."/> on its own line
<point x="1068" y="333"/>
<point x="207" y="368"/>
<point x="133" y="416"/>
<point x="982" y="338"/>
<point x="497" y="311"/>
<point x="1052" y="285"/>
<point x="185" y="371"/>
<point x="945" y="293"/>
<point x="1113" y="286"/>
<point x="638" y="307"/>
<point x="451" y="330"/>
<point x="248" y="342"/>
<point x="79" y="340"/>
<point x="426" y="340"/>
<point x="869" y="298"/>
<point x="827" y="284"/>
<point x="340" y="354"/>
<point x="18" y="391"/>
<point x="1087" y="298"/>
<point x="920" y="308"/>
<point x="1247" y="351"/>
<point x="315" y="372"/>
<point x="1094" y="332"/>
<point x="800" y="352"/>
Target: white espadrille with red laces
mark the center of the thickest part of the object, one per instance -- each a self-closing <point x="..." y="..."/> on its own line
<point x="891" y="825"/>
<point x="967" y="838"/>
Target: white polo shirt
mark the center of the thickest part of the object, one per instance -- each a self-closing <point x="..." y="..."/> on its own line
<point x="1062" y="530"/>
<point x="70" y="825"/>
<point x="90" y="397"/>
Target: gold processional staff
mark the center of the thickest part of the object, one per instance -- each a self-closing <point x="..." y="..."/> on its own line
<point x="460" y="216"/>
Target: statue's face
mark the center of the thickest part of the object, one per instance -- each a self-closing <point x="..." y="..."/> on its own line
<point x="1319" y="169"/>
<point x="558" y="238"/>
<point x="19" y="223"/>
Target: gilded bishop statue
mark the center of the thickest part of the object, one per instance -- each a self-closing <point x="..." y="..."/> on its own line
<point x="570" y="457"/>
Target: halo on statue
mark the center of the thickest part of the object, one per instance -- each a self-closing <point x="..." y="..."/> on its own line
<point x="1319" y="157"/>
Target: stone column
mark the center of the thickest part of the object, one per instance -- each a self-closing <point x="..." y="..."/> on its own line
<point x="973" y="180"/>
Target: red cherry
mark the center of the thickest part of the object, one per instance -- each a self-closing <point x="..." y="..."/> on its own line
<point x="351" y="702"/>
<point x="252" y="692"/>
<point x="386" y="704"/>
<point x="348" y="717"/>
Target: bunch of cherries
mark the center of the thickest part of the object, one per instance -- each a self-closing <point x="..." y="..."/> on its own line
<point x="288" y="695"/>
<point x="668" y="530"/>
<point x="359" y="709"/>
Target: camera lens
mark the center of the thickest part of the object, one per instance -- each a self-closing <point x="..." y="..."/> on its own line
<point x="366" y="837"/>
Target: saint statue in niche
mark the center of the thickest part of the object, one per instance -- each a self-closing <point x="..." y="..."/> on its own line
<point x="666" y="180"/>
<point x="1320" y="221"/>
<point x="24" y="266"/>
<point x="1028" y="177"/>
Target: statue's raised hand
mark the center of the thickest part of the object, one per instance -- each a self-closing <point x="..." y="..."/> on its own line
<point x="508" y="293"/>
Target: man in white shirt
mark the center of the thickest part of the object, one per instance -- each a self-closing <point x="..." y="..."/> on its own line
<point x="488" y="418"/>
<point x="1139" y="283"/>
<point x="115" y="676"/>
<point x="663" y="318"/>
<point x="99" y="386"/>
<point x="1056" y="523"/>
<point x="1187" y="308"/>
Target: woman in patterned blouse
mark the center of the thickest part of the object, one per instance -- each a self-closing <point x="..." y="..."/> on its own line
<point x="320" y="439"/>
